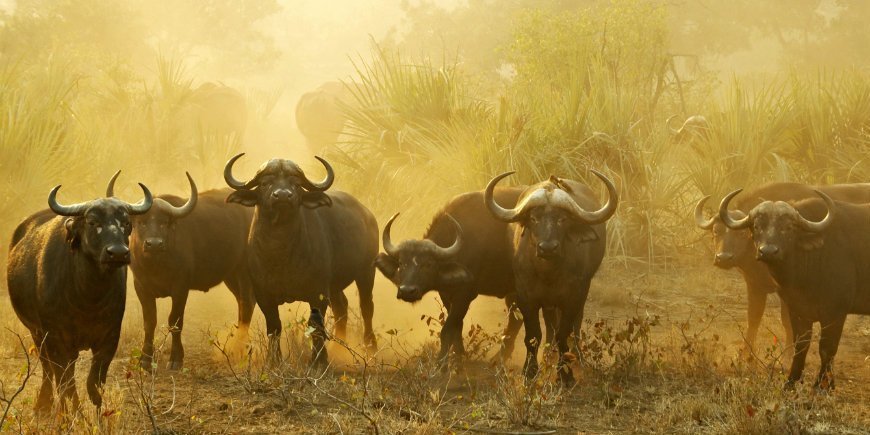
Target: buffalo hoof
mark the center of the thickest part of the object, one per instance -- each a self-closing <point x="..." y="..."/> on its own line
<point x="824" y="385"/>
<point x="146" y="363"/>
<point x="566" y="377"/>
<point x="789" y="385"/>
<point x="175" y="365"/>
<point x="531" y="370"/>
<point x="371" y="344"/>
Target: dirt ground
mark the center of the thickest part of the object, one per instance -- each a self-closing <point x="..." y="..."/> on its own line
<point x="660" y="353"/>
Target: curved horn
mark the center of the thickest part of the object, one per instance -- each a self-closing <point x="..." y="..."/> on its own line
<point x="64" y="210"/>
<point x="702" y="222"/>
<point x="389" y="248"/>
<point x="445" y="253"/>
<point x="605" y="212"/>
<point x="323" y="185"/>
<point x="500" y="213"/>
<point x="726" y="217"/>
<point x="143" y="206"/>
<point x="110" y="188"/>
<point x="228" y="174"/>
<point x="184" y="210"/>
<point x="672" y="129"/>
<point x="817" y="227"/>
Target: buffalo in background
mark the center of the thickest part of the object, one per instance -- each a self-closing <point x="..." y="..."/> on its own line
<point x="306" y="245"/>
<point x="558" y="245"/>
<point x="181" y="245"/>
<point x="67" y="279"/>
<point x="319" y="115"/>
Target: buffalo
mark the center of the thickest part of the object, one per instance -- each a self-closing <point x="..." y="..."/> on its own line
<point x="218" y="109"/>
<point x="818" y="252"/>
<point x="464" y="253"/>
<point x="319" y="114"/>
<point x="67" y="279"/>
<point x="181" y="245"/>
<point x="734" y="248"/>
<point x="306" y="245"/>
<point x="558" y="245"/>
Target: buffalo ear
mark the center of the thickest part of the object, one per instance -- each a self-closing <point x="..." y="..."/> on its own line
<point x="586" y="234"/>
<point x="810" y="241"/>
<point x="387" y="265"/>
<point x="453" y="274"/>
<point x="247" y="198"/>
<point x="316" y="199"/>
<point x="72" y="226"/>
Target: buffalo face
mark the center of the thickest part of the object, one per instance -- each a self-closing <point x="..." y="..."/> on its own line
<point x="154" y="231"/>
<point x="279" y="186"/>
<point x="419" y="266"/>
<point x="100" y="229"/>
<point x="777" y="228"/>
<point x="550" y="216"/>
<point x="730" y="246"/>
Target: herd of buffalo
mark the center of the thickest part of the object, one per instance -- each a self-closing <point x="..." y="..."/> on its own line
<point x="279" y="237"/>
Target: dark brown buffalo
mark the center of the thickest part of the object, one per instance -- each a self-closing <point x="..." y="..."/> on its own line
<point x="818" y="252"/>
<point x="463" y="254"/>
<point x="734" y="248"/>
<point x="67" y="279"/>
<point x="558" y="245"/>
<point x="306" y="245"/>
<point x="181" y="245"/>
<point x="319" y="114"/>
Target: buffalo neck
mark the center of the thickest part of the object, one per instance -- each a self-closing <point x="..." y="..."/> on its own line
<point x="274" y="232"/>
<point x="94" y="284"/>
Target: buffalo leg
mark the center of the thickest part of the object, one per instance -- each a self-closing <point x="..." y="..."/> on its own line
<point x="99" y="368"/>
<point x="64" y="367"/>
<point x="829" y="341"/>
<point x="365" y="286"/>
<point x="46" y="390"/>
<point x="803" y="333"/>
<point x="551" y="324"/>
<point x="532" y="324"/>
<point x="789" y="333"/>
<point x="318" y="336"/>
<point x="338" y="303"/>
<point x="757" y="299"/>
<point x="566" y="327"/>
<point x="241" y="289"/>
<point x="176" y="324"/>
<point x="512" y="328"/>
<point x="273" y="330"/>
<point x="149" y="322"/>
<point x="451" y="332"/>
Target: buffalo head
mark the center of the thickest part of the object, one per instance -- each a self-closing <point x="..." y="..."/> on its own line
<point x="731" y="246"/>
<point x="777" y="228"/>
<point x="100" y="229"/>
<point x="155" y="230"/>
<point x="279" y="186"/>
<point x="550" y="214"/>
<point x="418" y="266"/>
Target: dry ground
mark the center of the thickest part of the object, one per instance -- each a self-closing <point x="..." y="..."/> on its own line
<point x="660" y="353"/>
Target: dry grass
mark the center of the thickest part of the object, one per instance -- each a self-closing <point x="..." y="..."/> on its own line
<point x="664" y="364"/>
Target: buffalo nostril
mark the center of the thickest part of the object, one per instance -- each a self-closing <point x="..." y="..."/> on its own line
<point x="408" y="289"/>
<point x="548" y="246"/>
<point x="767" y="250"/>
<point x="118" y="252"/>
